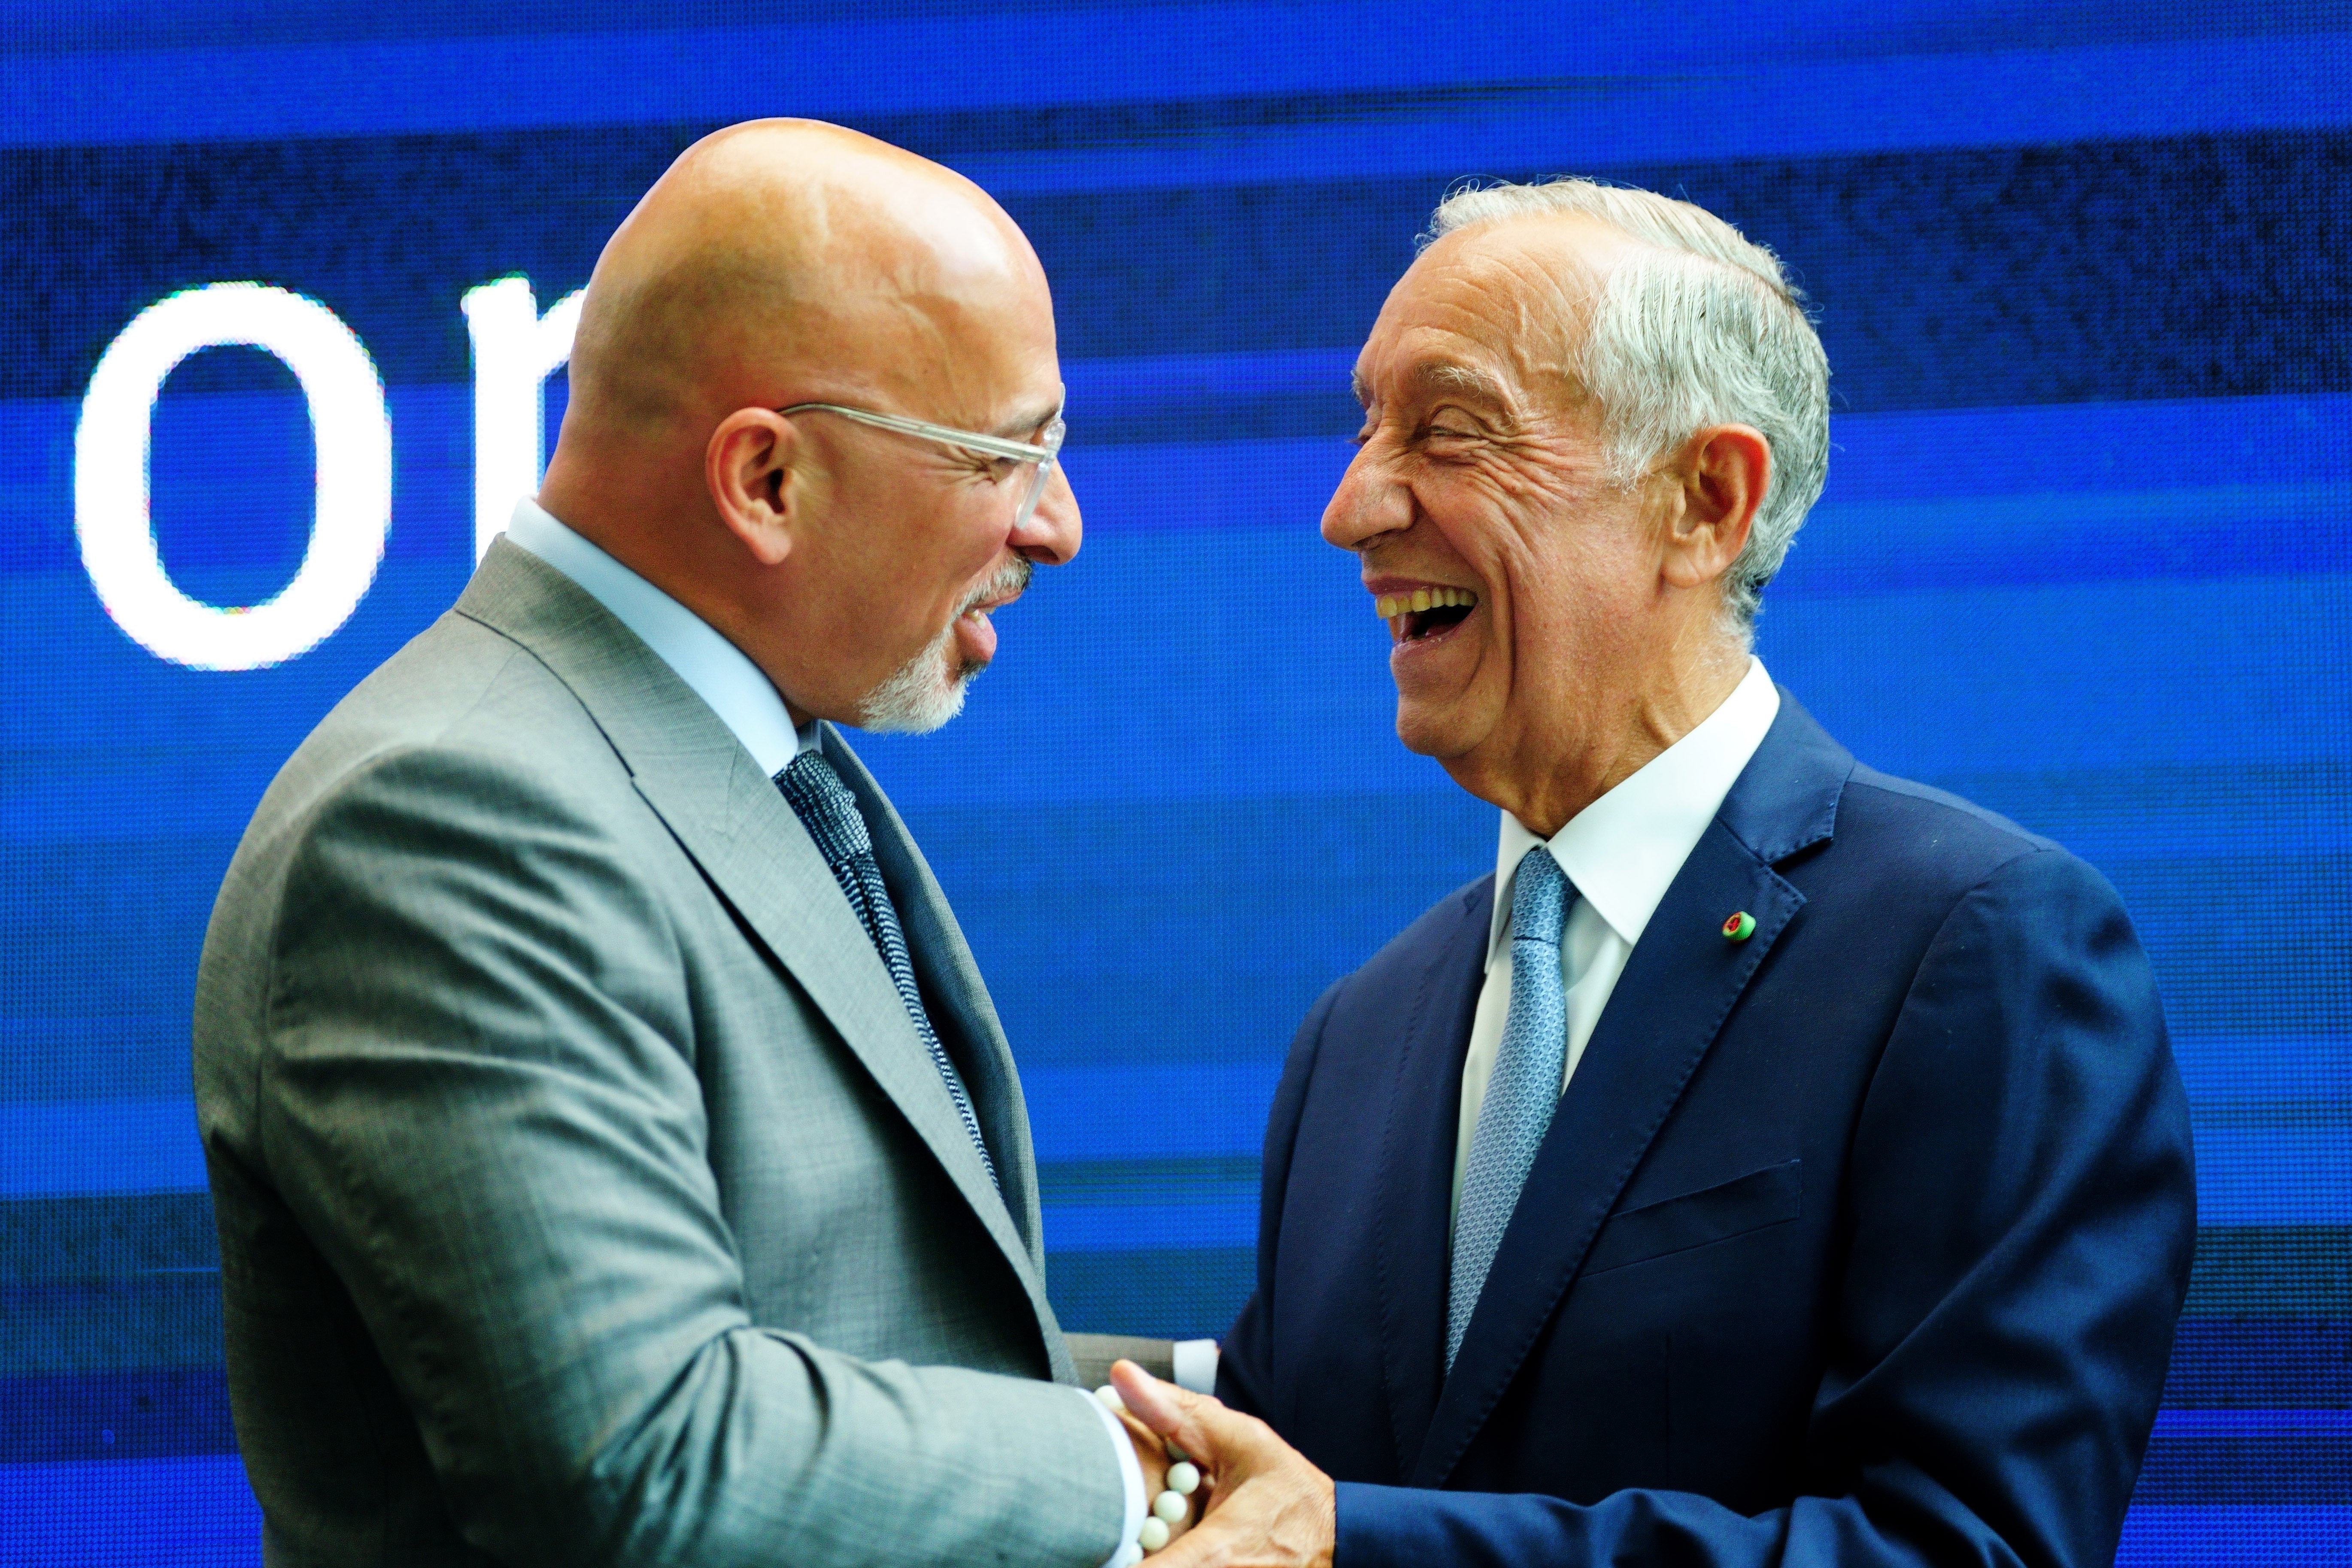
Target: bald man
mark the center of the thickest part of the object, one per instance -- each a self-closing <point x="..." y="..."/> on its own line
<point x="616" y="1156"/>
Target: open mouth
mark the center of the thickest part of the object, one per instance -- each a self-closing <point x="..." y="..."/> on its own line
<point x="1009" y="583"/>
<point x="1425" y="613"/>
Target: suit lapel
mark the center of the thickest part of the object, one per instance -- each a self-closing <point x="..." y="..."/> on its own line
<point x="961" y="1009"/>
<point x="735" y="825"/>
<point x="1679" y="985"/>
<point x="1414" y="1176"/>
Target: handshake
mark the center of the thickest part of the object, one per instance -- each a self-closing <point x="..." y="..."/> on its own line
<point x="1226" y="1489"/>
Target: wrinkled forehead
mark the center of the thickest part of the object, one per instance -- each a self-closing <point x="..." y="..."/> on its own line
<point x="1492" y="313"/>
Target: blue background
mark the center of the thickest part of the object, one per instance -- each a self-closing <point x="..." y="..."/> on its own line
<point x="2082" y="273"/>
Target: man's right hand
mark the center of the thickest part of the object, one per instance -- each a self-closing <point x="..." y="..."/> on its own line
<point x="1151" y="1455"/>
<point x="1265" y="1505"/>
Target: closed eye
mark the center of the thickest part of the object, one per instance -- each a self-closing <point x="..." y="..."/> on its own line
<point x="983" y="465"/>
<point x="1449" y="424"/>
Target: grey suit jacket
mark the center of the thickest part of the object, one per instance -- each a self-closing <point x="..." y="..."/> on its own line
<point x="584" y="1193"/>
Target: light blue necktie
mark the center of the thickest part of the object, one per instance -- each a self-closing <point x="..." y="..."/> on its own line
<point x="1521" y="1092"/>
<point x="830" y="813"/>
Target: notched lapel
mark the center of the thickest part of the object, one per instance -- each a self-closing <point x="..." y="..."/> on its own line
<point x="736" y="826"/>
<point x="761" y="860"/>
<point x="1679" y="985"/>
<point x="1415" y="1173"/>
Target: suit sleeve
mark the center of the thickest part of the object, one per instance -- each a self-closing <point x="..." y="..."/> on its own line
<point x="2023" y="1210"/>
<point x="481" y="1101"/>
<point x="1244" y="1361"/>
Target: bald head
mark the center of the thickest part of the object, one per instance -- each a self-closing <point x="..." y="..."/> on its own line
<point x="782" y="264"/>
<point x="779" y="255"/>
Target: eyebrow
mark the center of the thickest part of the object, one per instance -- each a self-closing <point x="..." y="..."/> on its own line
<point x="1015" y="429"/>
<point x="1455" y="377"/>
<point x="1446" y="375"/>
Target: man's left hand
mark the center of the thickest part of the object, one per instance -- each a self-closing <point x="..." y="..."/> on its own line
<point x="1266" y="1506"/>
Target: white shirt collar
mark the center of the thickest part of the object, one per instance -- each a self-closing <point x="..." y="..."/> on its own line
<point x="721" y="674"/>
<point x="1625" y="849"/>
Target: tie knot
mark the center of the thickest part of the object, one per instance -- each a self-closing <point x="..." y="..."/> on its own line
<point x="825" y="808"/>
<point x="1538" y="898"/>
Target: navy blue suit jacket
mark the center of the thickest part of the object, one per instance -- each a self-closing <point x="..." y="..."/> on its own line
<point x="1859" y="1241"/>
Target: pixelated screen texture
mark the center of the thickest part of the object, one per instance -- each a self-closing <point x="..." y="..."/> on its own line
<point x="2080" y="274"/>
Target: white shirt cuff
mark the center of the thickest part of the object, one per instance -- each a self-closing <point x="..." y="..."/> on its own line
<point x="1196" y="1365"/>
<point x="1131" y="1475"/>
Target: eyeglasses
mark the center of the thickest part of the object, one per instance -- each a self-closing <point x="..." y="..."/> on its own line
<point x="1045" y="454"/>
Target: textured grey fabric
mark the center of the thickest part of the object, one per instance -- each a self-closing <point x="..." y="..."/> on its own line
<point x="584" y="1193"/>
<point x="1094" y="1353"/>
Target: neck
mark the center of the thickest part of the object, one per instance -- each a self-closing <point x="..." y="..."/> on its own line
<point x="1595" y="741"/>
<point x="625" y="512"/>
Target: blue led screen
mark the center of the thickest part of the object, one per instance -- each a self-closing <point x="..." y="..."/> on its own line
<point x="2082" y="271"/>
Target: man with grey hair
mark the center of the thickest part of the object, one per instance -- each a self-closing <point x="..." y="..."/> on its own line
<point x="1772" y="1160"/>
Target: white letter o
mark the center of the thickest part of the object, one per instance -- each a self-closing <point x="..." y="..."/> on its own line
<point x="351" y="432"/>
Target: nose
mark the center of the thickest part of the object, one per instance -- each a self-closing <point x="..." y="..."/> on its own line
<point x="1372" y="501"/>
<point x="1050" y="537"/>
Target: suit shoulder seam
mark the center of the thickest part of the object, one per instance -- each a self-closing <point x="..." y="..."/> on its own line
<point x="1943" y="800"/>
<point x="1961" y="899"/>
<point x="298" y="834"/>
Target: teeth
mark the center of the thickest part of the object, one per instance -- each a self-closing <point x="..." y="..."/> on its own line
<point x="1387" y="606"/>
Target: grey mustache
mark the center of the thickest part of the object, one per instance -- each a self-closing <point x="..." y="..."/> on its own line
<point x="1011" y="578"/>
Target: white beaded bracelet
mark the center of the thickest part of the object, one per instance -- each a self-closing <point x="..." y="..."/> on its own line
<point x="1173" y="1503"/>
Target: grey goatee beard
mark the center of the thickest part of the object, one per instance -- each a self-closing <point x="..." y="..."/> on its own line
<point x="927" y="690"/>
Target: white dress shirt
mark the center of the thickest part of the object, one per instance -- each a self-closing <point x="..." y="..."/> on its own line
<point x="1621" y="854"/>
<point x="748" y="703"/>
<point x="721" y="674"/>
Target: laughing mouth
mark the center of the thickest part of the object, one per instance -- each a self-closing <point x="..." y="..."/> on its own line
<point x="1424" y="612"/>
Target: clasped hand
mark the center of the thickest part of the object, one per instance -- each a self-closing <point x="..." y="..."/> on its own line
<point x="1262" y="1504"/>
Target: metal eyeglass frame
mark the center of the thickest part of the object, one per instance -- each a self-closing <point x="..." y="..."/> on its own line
<point x="1045" y="455"/>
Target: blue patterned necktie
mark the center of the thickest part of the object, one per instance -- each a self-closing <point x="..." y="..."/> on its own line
<point x="1522" y="1092"/>
<point x="830" y="813"/>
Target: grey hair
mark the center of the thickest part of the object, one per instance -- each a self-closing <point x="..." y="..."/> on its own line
<point x="1704" y="328"/>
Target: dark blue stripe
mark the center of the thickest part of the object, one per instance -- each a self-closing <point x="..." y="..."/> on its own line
<point x="115" y="1416"/>
<point x="1964" y="278"/>
<point x="2246" y="1362"/>
<point x="2249" y="1457"/>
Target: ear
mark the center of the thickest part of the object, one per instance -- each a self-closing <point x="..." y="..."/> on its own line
<point x="1720" y="479"/>
<point x="747" y="466"/>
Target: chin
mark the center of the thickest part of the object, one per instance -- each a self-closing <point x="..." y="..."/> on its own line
<point x="1449" y="724"/>
<point x="1425" y="729"/>
<point x="927" y="691"/>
